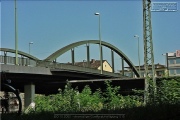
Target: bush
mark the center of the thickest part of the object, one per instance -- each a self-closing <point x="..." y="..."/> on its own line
<point x="169" y="91"/>
<point x="89" y="101"/>
<point x="70" y="100"/>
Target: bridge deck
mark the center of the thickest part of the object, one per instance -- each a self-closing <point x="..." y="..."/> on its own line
<point x="49" y="80"/>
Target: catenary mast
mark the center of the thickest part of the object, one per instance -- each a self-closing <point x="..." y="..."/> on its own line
<point x="148" y="48"/>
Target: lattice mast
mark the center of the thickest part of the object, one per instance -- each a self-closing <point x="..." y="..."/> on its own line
<point x="148" y="46"/>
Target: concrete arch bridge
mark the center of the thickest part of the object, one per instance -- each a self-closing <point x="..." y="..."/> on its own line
<point x="57" y="68"/>
<point x="33" y="75"/>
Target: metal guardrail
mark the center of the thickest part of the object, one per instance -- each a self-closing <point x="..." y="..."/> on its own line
<point x="21" y="60"/>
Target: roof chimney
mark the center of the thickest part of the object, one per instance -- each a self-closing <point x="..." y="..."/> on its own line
<point x="93" y="60"/>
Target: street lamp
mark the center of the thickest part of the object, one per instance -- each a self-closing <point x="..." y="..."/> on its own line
<point x="29" y="46"/>
<point x="136" y="36"/>
<point x="167" y="64"/>
<point x="16" y="35"/>
<point x="100" y="46"/>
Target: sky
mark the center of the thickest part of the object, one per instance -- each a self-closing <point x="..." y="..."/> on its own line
<point x="51" y="25"/>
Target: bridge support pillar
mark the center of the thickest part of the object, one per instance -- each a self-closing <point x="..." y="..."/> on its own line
<point x="29" y="91"/>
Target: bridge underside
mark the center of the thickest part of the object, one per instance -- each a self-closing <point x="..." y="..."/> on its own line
<point x="49" y="84"/>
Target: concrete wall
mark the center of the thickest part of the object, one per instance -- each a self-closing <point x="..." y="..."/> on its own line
<point x="25" y="69"/>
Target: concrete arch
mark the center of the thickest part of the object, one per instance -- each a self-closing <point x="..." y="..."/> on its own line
<point x="19" y="52"/>
<point x="76" y="44"/>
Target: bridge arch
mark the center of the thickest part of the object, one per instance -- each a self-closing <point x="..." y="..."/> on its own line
<point x="76" y="44"/>
<point x="20" y="53"/>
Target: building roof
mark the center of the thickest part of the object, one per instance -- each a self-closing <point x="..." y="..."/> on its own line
<point x="93" y="63"/>
<point x="157" y="66"/>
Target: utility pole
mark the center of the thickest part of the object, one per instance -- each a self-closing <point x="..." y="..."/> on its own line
<point x="148" y="48"/>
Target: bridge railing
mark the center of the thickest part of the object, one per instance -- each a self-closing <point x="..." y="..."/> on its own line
<point x="21" y="61"/>
<point x="54" y="66"/>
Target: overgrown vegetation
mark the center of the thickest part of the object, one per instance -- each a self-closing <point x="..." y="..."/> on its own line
<point x="169" y="91"/>
<point x="71" y="100"/>
<point x="165" y="105"/>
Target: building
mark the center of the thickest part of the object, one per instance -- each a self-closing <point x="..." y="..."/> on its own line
<point x="173" y="63"/>
<point x="159" y="70"/>
<point x="95" y="64"/>
<point x="172" y="67"/>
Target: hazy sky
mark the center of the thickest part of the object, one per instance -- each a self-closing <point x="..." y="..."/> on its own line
<point x="51" y="25"/>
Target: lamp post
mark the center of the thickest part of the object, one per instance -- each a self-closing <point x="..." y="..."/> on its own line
<point x="136" y="36"/>
<point x="16" y="35"/>
<point x="30" y="47"/>
<point x="167" y="64"/>
<point x="100" y="46"/>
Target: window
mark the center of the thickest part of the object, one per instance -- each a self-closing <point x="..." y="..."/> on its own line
<point x="159" y="73"/>
<point x="178" y="71"/>
<point x="142" y="74"/>
<point x="127" y="74"/>
<point x="150" y="73"/>
<point x="171" y="72"/>
<point x="171" y="61"/>
<point x="177" y="60"/>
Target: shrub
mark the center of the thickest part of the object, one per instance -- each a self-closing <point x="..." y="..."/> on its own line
<point x="169" y="91"/>
<point x="89" y="101"/>
<point x="71" y="100"/>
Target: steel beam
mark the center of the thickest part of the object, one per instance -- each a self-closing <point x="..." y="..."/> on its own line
<point x="5" y="57"/>
<point x="122" y="62"/>
<point x="112" y="59"/>
<point x="72" y="55"/>
<point x="88" y="56"/>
